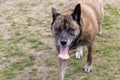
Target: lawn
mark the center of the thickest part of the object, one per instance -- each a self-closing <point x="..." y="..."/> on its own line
<point x="27" y="50"/>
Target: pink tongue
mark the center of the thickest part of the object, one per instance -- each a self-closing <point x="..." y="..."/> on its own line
<point x="64" y="53"/>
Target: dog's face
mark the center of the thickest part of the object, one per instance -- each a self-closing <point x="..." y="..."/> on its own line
<point x="65" y="29"/>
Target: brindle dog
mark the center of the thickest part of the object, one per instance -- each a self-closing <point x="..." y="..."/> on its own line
<point x="76" y="26"/>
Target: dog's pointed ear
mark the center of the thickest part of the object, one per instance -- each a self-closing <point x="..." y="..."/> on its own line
<point x="54" y="14"/>
<point x="77" y="13"/>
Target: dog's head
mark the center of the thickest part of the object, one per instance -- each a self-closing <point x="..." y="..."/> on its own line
<point x="65" y="29"/>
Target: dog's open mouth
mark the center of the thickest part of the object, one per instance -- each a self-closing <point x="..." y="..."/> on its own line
<point x="64" y="52"/>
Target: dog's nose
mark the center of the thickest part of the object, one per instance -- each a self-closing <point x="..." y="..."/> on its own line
<point x="63" y="42"/>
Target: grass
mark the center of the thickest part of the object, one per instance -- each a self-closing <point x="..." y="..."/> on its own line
<point x="22" y="63"/>
<point x="35" y="79"/>
<point x="33" y="21"/>
<point x="10" y="18"/>
<point x="24" y="11"/>
<point x="37" y="44"/>
<point x="49" y="63"/>
<point x="61" y="4"/>
<point x="17" y="33"/>
<point x="13" y="50"/>
<point x="8" y="74"/>
<point x="18" y="65"/>
<point x="112" y="9"/>
<point x="29" y="49"/>
<point x="13" y="24"/>
<point x="111" y="17"/>
<point x="1" y="42"/>
<point x="33" y="72"/>
<point x="108" y="22"/>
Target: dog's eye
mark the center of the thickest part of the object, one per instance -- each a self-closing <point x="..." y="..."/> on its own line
<point x="58" y="29"/>
<point x="71" y="29"/>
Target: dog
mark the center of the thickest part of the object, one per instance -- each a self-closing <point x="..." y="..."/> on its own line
<point x="75" y="26"/>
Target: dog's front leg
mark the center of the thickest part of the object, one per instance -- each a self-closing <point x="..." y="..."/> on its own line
<point x="88" y="66"/>
<point x="61" y="69"/>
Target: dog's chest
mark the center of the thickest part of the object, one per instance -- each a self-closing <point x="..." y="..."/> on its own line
<point x="80" y="42"/>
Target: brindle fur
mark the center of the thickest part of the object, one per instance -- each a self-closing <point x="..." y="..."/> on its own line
<point x="84" y="30"/>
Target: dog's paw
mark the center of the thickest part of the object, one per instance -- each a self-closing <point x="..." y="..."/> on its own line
<point x="100" y="32"/>
<point x="79" y="54"/>
<point x="87" y="68"/>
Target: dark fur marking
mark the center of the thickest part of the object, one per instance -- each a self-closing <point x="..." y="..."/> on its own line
<point x="80" y="42"/>
<point x="77" y="13"/>
<point x="54" y="15"/>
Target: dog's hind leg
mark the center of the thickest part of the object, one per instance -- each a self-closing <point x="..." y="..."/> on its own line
<point x="88" y="66"/>
<point x="79" y="53"/>
<point x="100" y="23"/>
<point x="100" y="30"/>
<point x="101" y="18"/>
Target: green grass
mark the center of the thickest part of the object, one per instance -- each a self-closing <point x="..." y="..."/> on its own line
<point x="31" y="57"/>
<point x="37" y="44"/>
<point x="7" y="73"/>
<point x="111" y="17"/>
<point x="24" y="11"/>
<point x="17" y="33"/>
<point x="111" y="9"/>
<point x="34" y="40"/>
<point x="27" y="46"/>
<point x="5" y="12"/>
<point x="33" y="21"/>
<point x="50" y="63"/>
<point x="22" y="4"/>
<point x="10" y="18"/>
<point x="13" y="24"/>
<point x="61" y="4"/>
<point x="2" y="42"/>
<point x="108" y="22"/>
<point x="3" y="60"/>
<point x="13" y="50"/>
<point x="22" y="63"/>
<point x="33" y="72"/>
<point x="35" y="78"/>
